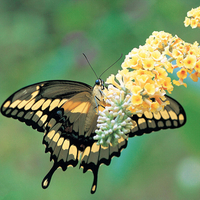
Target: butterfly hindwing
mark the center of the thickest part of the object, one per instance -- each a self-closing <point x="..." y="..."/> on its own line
<point x="65" y="134"/>
<point x="66" y="143"/>
<point x="95" y="155"/>
<point x="173" y="116"/>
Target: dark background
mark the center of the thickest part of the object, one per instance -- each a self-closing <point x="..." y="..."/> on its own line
<point x="43" y="40"/>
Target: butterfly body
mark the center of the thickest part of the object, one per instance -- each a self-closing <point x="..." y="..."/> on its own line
<point x="67" y="112"/>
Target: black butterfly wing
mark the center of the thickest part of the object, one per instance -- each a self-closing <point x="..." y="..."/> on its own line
<point x="173" y="116"/>
<point x="65" y="136"/>
<point x="95" y="155"/>
<point x="66" y="141"/>
<point x="34" y="104"/>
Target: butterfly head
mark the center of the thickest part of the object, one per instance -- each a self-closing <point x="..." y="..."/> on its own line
<point x="99" y="82"/>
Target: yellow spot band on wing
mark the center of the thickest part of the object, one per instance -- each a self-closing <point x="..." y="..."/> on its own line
<point x="22" y="104"/>
<point x="15" y="103"/>
<point x="37" y="105"/>
<point x="65" y="145"/>
<point x="164" y="114"/>
<point x="181" y="118"/>
<point x="142" y="123"/>
<point x="85" y="155"/>
<point x="54" y="104"/>
<point x="56" y="137"/>
<point x="60" y="141"/>
<point x="46" y="104"/>
<point x="42" y="120"/>
<point x="82" y="108"/>
<point x="72" y="153"/>
<point x="95" y="148"/>
<point x="6" y="105"/>
<point x="148" y="114"/>
<point x="173" y="115"/>
<point x="73" y="150"/>
<point x="51" y="134"/>
<point x="121" y="140"/>
<point x="28" y="106"/>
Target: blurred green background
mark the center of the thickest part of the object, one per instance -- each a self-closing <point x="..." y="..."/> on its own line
<point x="44" y="40"/>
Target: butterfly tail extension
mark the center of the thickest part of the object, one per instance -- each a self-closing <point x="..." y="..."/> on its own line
<point x="47" y="178"/>
<point x="95" y="155"/>
<point x="94" y="170"/>
<point x="94" y="184"/>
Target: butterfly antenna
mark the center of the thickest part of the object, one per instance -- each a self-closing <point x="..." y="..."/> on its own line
<point x="90" y="65"/>
<point x="112" y="65"/>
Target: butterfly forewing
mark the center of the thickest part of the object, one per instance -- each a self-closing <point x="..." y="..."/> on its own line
<point x="33" y="104"/>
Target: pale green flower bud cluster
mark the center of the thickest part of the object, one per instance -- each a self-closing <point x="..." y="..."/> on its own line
<point x="114" y="121"/>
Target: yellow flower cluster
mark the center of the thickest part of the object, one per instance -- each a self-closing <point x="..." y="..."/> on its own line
<point x="145" y="70"/>
<point x="187" y="58"/>
<point x="142" y="83"/>
<point x="193" y="18"/>
<point x="145" y="80"/>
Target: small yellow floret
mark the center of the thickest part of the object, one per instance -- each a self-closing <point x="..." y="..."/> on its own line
<point x="136" y="99"/>
<point x="156" y="55"/>
<point x="182" y="74"/>
<point x="169" y="67"/>
<point x="190" y="61"/>
<point x="150" y="88"/>
<point x="133" y="61"/>
<point x="161" y="72"/>
<point x="154" y="106"/>
<point x="143" y="53"/>
<point x="142" y="78"/>
<point x="179" y="61"/>
<point x="179" y="82"/>
<point x="194" y="77"/>
<point x="167" y="84"/>
<point x="194" y="23"/>
<point x="176" y="53"/>
<point x="111" y="80"/>
<point x="187" y="22"/>
<point x="148" y="63"/>
<point x="194" y="18"/>
<point x="197" y="66"/>
<point x="136" y="89"/>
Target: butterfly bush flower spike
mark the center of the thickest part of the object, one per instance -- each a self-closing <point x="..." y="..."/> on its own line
<point x="114" y="121"/>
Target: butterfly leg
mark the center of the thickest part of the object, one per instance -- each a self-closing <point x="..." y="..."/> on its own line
<point x="97" y="105"/>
